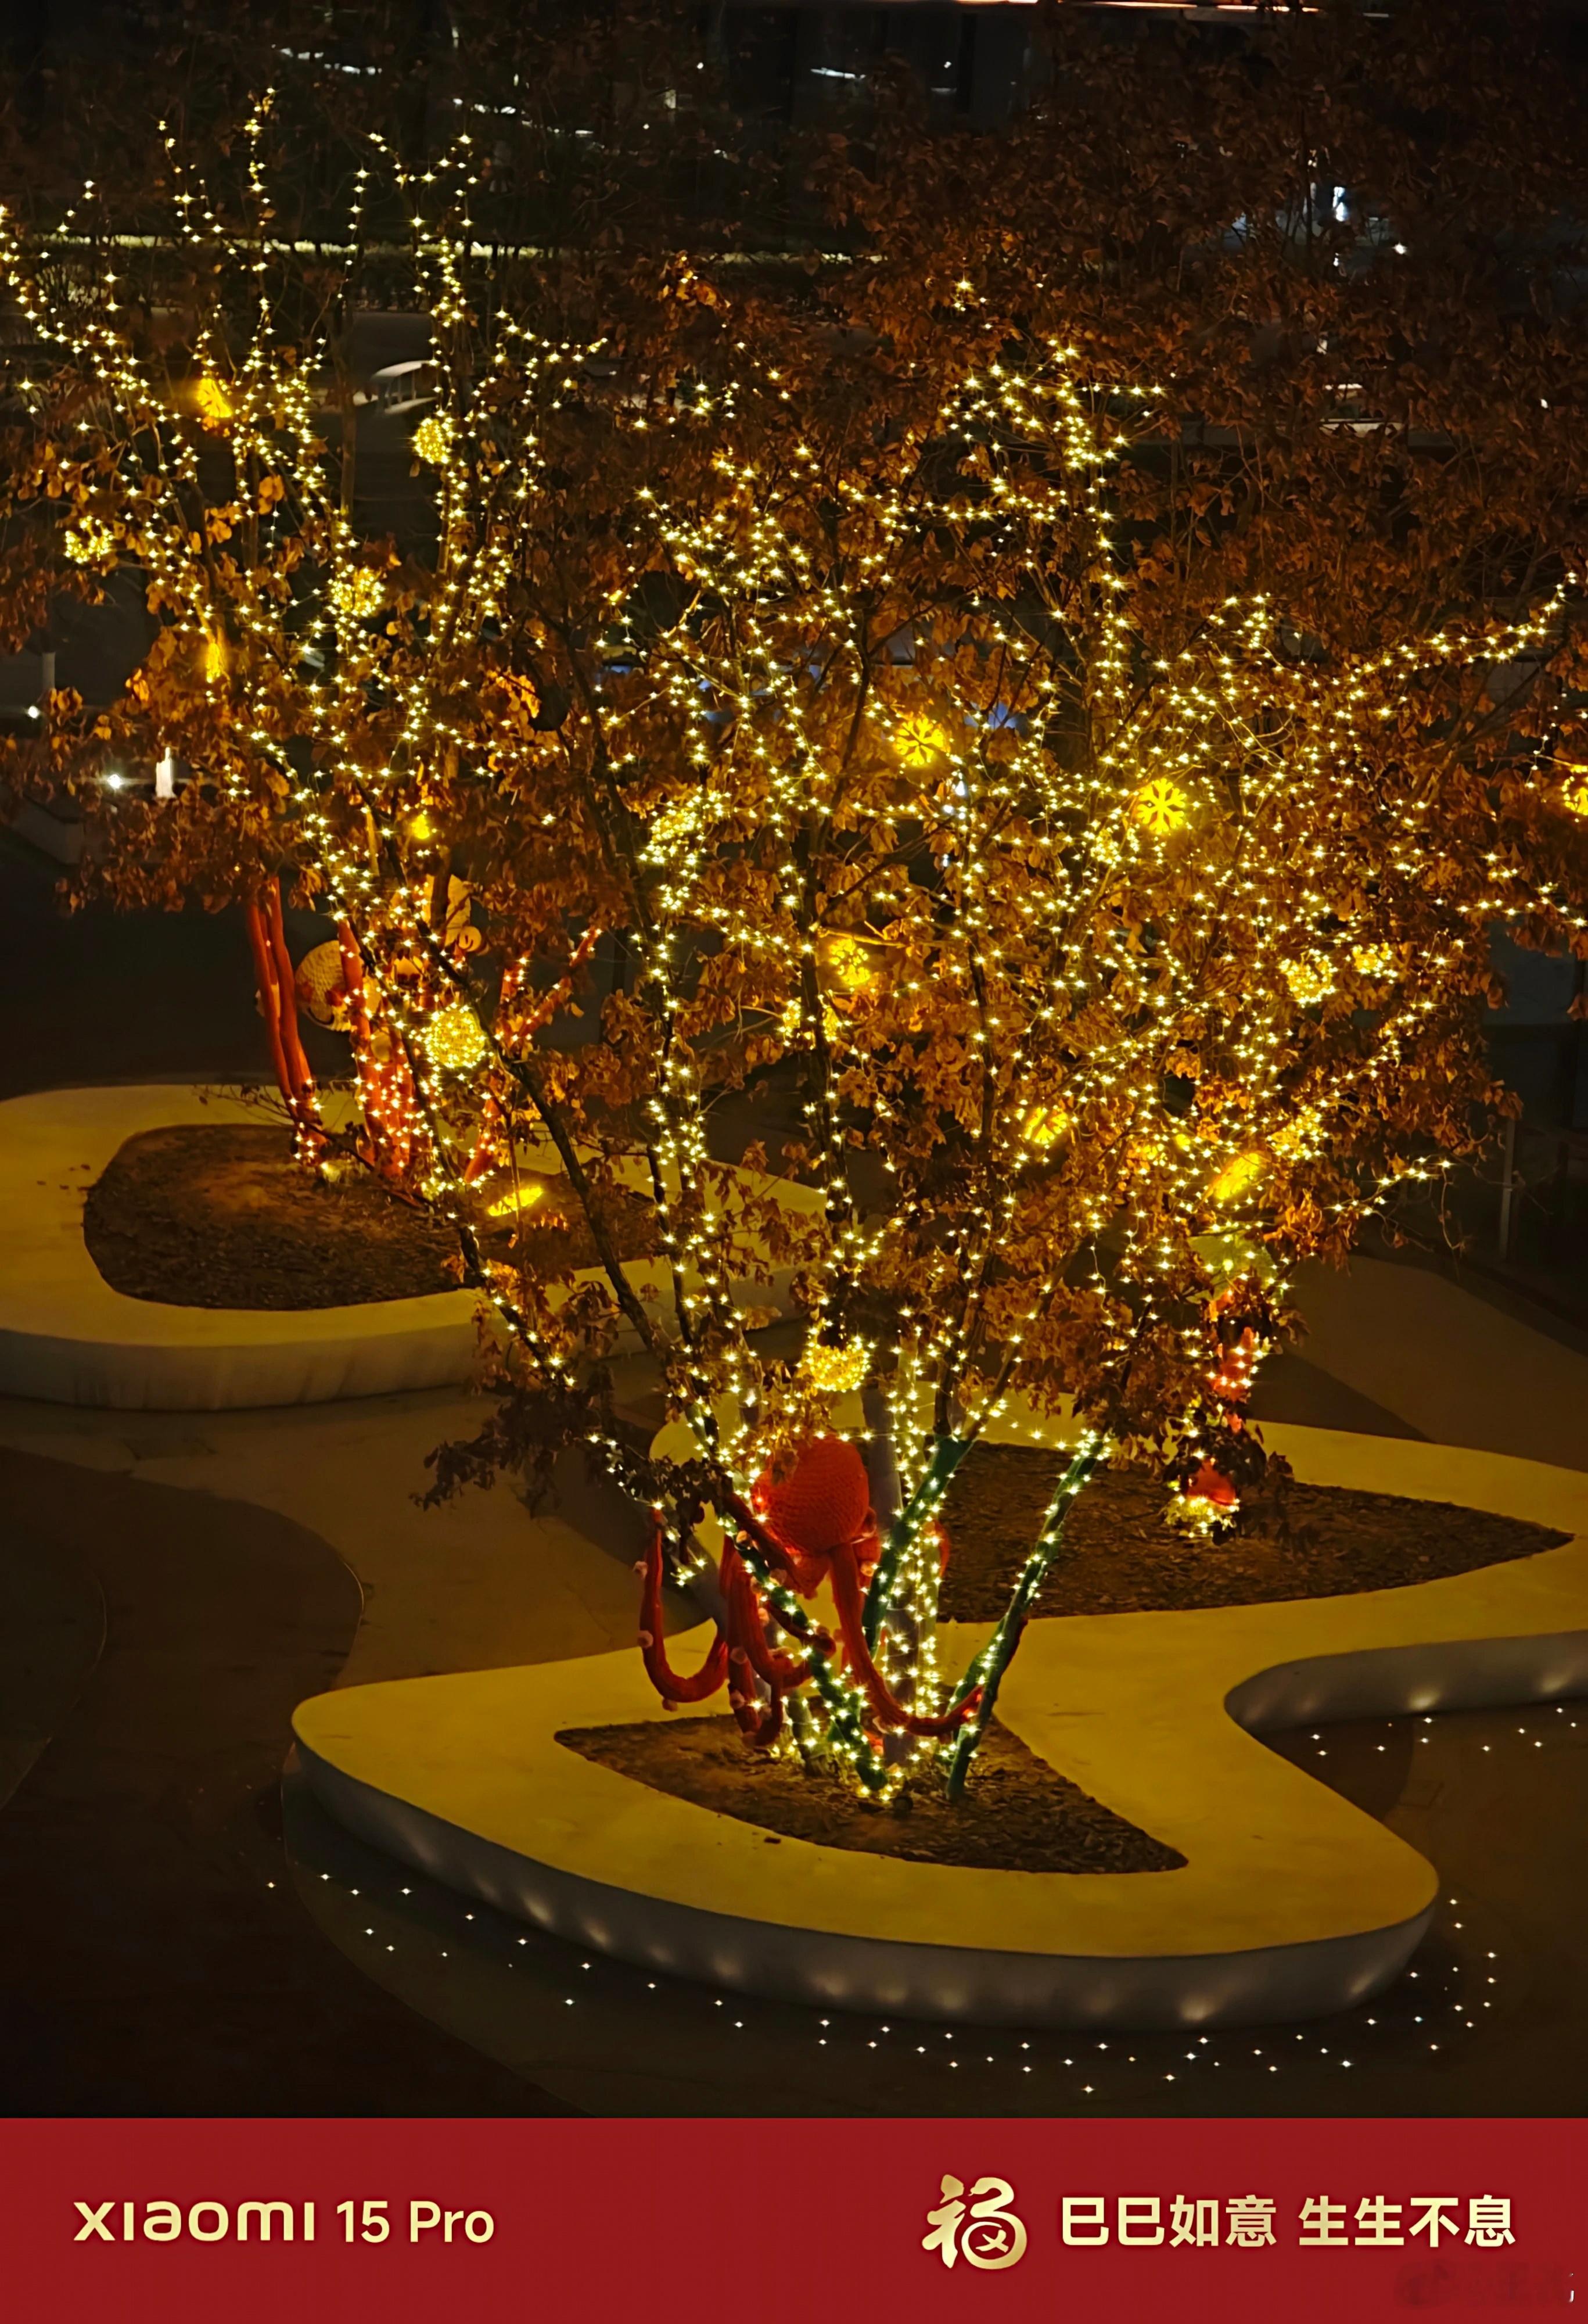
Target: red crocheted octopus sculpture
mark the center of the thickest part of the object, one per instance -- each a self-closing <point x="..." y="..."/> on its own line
<point x="815" y="1525"/>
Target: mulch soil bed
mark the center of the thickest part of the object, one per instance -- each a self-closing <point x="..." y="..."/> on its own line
<point x="1118" y="1556"/>
<point x="1018" y="1814"/>
<point x="219" y="1215"/>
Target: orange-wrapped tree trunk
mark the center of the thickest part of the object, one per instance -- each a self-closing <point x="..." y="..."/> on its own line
<point x="277" y="1001"/>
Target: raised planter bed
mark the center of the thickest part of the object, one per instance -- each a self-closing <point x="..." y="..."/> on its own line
<point x="69" y="1336"/>
<point x="1289" y="1903"/>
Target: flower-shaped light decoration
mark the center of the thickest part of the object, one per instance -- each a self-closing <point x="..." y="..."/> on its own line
<point x="1160" y="807"/>
<point x="919" y="740"/>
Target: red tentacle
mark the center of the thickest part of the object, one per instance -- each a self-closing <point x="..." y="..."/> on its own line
<point x="275" y="929"/>
<point x="749" y="1627"/>
<point x="846" y="1596"/>
<point x="673" y="1686"/>
<point x="761" y="1731"/>
<point x="790" y="1566"/>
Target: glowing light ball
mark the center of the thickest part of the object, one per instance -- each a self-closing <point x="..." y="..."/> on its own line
<point x="836" y="1371"/>
<point x="432" y="439"/>
<point x="454" y="1038"/>
<point x="1310" y="980"/>
<point x="850" y="962"/>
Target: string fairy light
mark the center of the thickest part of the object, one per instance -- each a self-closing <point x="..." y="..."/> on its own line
<point x="1049" y="917"/>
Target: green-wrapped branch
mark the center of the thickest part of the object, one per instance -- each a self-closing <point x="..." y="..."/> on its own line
<point x="986" y="1671"/>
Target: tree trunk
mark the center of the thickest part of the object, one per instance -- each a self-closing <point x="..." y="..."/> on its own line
<point x="277" y="1002"/>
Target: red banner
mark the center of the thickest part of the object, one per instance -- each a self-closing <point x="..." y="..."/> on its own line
<point x="788" y="2222"/>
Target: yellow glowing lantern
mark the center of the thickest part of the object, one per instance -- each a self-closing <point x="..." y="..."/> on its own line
<point x="1373" y="959"/>
<point x="215" y="660"/>
<point x="1045" y="1125"/>
<point x="919" y="740"/>
<point x="211" y="402"/>
<point x="421" y="827"/>
<point x="1238" y="1177"/>
<point x="454" y="1038"/>
<point x="1574" y="795"/>
<point x="1160" y="807"/>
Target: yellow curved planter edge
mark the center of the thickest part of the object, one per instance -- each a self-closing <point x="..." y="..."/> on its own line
<point x="1133" y="1707"/>
<point x="66" y="1336"/>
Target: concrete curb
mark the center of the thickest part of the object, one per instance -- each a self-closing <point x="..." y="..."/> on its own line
<point x="67" y="1337"/>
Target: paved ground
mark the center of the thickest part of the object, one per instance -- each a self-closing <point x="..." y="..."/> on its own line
<point x="462" y="1588"/>
<point x="152" y="1959"/>
<point x="1496" y="1798"/>
<point x="210" y="1538"/>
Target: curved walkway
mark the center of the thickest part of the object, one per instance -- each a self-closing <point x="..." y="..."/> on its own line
<point x="152" y="1958"/>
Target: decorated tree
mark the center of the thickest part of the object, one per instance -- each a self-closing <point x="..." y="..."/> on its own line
<point x="1097" y="942"/>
